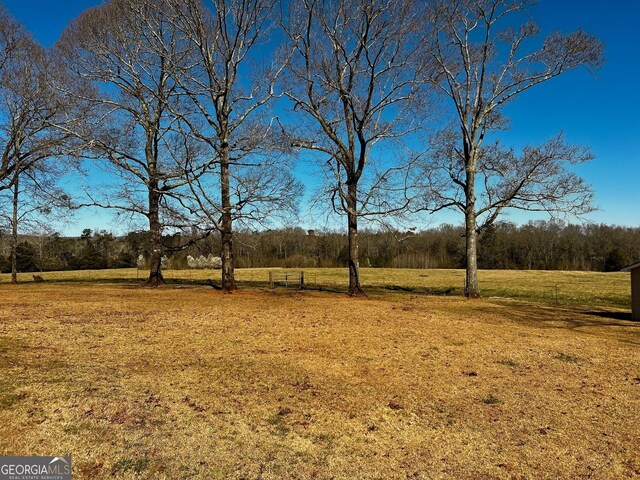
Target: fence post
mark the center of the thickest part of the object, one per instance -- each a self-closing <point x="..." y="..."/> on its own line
<point x="301" y="279"/>
<point x="270" y="279"/>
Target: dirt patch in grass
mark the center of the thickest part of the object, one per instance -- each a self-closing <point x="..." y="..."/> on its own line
<point x="191" y="383"/>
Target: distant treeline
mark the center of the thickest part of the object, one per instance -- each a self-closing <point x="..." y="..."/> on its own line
<point x="536" y="245"/>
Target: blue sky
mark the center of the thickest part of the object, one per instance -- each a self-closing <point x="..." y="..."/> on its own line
<point x="600" y="109"/>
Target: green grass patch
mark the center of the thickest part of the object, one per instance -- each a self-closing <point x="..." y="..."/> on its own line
<point x="508" y="363"/>
<point x="135" y="465"/>
<point x="490" y="399"/>
<point x="568" y="358"/>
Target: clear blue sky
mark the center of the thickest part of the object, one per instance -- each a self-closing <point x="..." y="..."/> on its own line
<point x="601" y="110"/>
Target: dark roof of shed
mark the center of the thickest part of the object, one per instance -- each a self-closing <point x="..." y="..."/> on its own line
<point x="628" y="268"/>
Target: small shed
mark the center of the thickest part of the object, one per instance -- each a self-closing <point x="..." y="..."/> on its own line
<point x="635" y="289"/>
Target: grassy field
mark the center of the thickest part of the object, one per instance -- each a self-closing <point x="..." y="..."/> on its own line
<point x="186" y="382"/>
<point x="589" y="289"/>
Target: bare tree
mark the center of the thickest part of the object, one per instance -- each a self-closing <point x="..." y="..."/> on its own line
<point x="353" y="83"/>
<point x="129" y="51"/>
<point x="231" y="83"/>
<point x="482" y="62"/>
<point x="34" y="152"/>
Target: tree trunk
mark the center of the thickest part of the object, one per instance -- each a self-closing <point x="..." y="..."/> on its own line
<point x="14" y="232"/>
<point x="471" y="288"/>
<point x="226" y="225"/>
<point x="155" y="240"/>
<point x="228" y="274"/>
<point x="354" y="261"/>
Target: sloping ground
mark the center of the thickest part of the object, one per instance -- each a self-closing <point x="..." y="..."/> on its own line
<point x="190" y="383"/>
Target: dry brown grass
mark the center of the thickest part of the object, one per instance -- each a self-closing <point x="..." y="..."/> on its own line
<point x="190" y="383"/>
<point x="594" y="289"/>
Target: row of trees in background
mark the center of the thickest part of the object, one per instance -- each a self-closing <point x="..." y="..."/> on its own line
<point x="536" y="245"/>
<point x="198" y="109"/>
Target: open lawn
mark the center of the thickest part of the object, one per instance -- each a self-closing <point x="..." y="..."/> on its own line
<point x="593" y="289"/>
<point x="186" y="382"/>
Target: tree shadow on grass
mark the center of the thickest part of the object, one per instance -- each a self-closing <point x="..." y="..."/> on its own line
<point x="613" y="315"/>
<point x="616" y="323"/>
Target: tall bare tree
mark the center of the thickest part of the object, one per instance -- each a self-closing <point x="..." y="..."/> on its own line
<point x="129" y="50"/>
<point x="353" y="83"/>
<point x="34" y="150"/>
<point x="482" y="63"/>
<point x="231" y="82"/>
